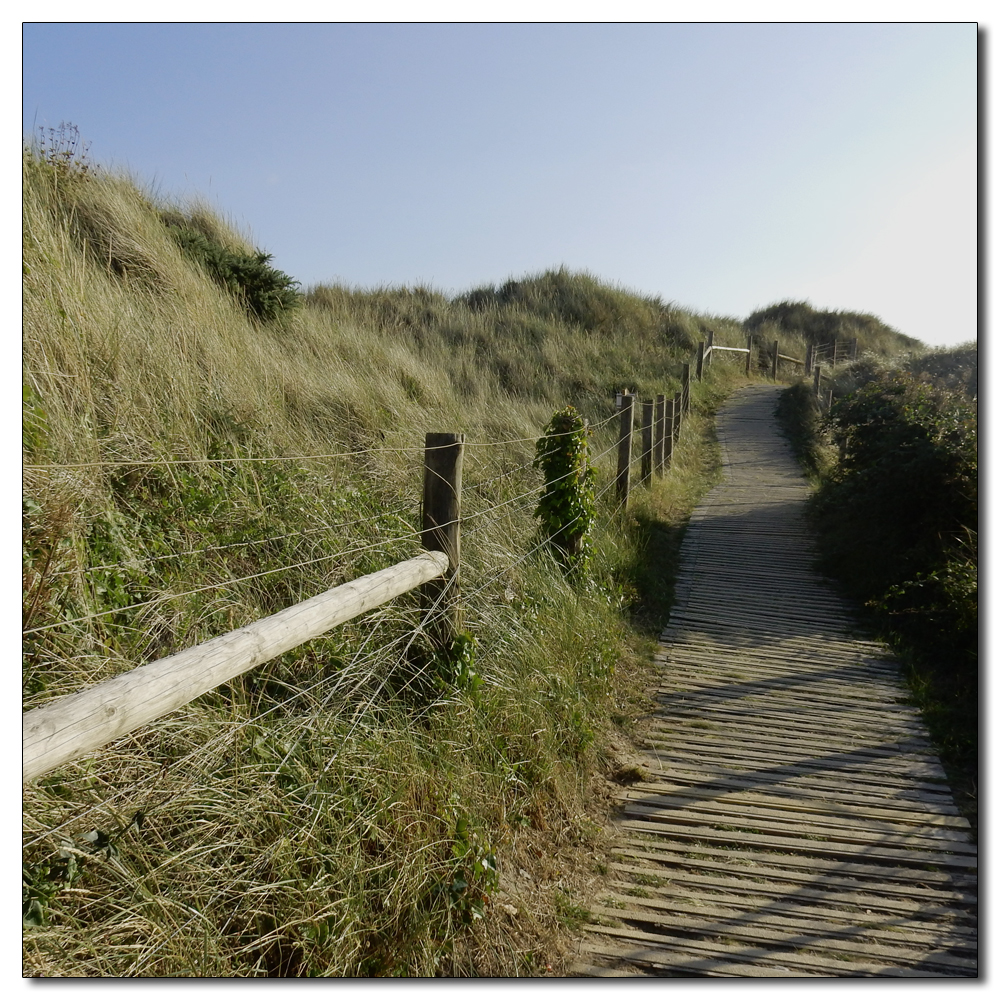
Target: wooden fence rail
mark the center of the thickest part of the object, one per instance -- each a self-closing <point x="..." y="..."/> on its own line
<point x="75" y="724"/>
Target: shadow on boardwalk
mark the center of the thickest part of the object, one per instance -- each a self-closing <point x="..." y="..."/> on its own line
<point x="793" y="819"/>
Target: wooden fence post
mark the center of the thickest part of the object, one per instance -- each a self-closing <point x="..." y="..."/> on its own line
<point x="646" y="466"/>
<point x="659" y="433"/>
<point x="774" y="364"/>
<point x="833" y="360"/>
<point x="816" y="378"/>
<point x="440" y="532"/>
<point x="685" y="388"/>
<point x="624" y="449"/>
<point x="809" y="360"/>
<point x="670" y="413"/>
<point x="854" y="349"/>
<point x="749" y="352"/>
<point x="675" y="429"/>
<point x="709" y="344"/>
<point x="699" y="360"/>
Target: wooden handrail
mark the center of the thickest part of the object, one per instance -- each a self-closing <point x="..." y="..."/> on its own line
<point x="75" y="724"/>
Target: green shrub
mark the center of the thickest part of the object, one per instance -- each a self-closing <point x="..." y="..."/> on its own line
<point x="264" y="291"/>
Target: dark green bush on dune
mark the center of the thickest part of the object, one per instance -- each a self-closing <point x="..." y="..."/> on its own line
<point x="265" y="292"/>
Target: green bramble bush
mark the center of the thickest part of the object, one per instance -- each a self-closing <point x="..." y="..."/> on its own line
<point x="566" y="508"/>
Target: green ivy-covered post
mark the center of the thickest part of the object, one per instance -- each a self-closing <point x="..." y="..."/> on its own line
<point x="566" y="508"/>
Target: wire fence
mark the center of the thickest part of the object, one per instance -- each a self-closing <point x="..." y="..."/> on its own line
<point x="362" y="679"/>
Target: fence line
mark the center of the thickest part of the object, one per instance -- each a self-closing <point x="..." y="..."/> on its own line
<point x="72" y="725"/>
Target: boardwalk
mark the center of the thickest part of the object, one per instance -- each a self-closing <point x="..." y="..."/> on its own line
<point x="795" y="820"/>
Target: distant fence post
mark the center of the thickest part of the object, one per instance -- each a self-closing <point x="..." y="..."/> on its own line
<point x="685" y="388"/>
<point x="646" y="466"/>
<point x="699" y="360"/>
<point x="749" y="353"/>
<point x="659" y="433"/>
<point x="709" y="344"/>
<point x="440" y="532"/>
<point x="624" y="449"/>
<point x="833" y="360"/>
<point x="816" y="378"/>
<point x="809" y="360"/>
<point x="675" y="423"/>
<point x="854" y="349"/>
<point x="669" y="435"/>
<point x="774" y="364"/>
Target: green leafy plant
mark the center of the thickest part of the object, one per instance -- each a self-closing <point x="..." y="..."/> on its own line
<point x="457" y="669"/>
<point x="566" y="509"/>
<point x="475" y="875"/>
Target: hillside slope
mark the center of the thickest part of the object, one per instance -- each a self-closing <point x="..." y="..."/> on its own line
<point x="195" y="461"/>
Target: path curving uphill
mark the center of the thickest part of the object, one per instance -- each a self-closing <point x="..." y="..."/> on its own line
<point x="795" y="821"/>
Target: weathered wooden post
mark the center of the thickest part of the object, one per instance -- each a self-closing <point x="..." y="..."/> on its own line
<point x="854" y="349"/>
<point x="699" y="360"/>
<point x="686" y="388"/>
<point x="671" y="431"/>
<point x="816" y="378"/>
<point x="440" y="532"/>
<point x="678" y="417"/>
<point x="624" y="449"/>
<point x="749" y="353"/>
<point x="833" y="360"/>
<point x="774" y="364"/>
<point x="709" y="344"/>
<point x="809" y="360"/>
<point x="646" y="466"/>
<point x="659" y="433"/>
<point x="829" y="398"/>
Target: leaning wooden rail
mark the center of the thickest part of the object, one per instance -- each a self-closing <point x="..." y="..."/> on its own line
<point x="75" y="724"/>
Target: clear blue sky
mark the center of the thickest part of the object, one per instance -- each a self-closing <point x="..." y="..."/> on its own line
<point x="722" y="166"/>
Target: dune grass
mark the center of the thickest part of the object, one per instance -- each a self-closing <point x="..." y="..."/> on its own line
<point x="190" y="467"/>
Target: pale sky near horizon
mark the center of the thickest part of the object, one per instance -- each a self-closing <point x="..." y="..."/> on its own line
<point x="722" y="166"/>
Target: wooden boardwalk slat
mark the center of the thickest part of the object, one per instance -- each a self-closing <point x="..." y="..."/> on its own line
<point x="793" y="819"/>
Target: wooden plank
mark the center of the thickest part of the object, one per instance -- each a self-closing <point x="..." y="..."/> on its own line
<point x="785" y="917"/>
<point x="808" y="836"/>
<point x="825" y="965"/>
<point x="820" y="816"/>
<point x="835" y="941"/>
<point x="800" y="803"/>
<point x="789" y="780"/>
<point x="915" y="882"/>
<point x="798" y="889"/>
